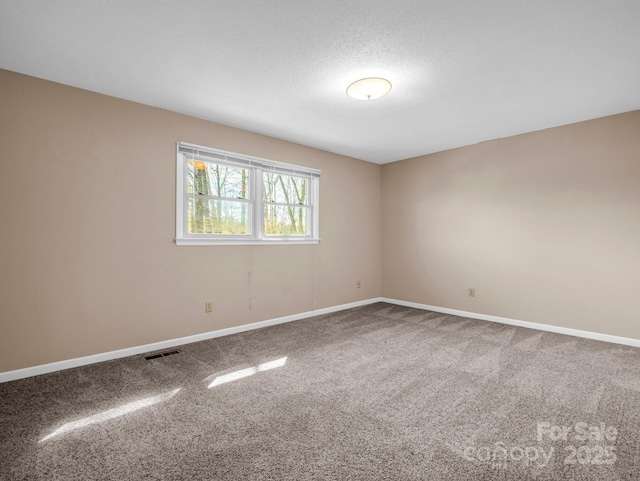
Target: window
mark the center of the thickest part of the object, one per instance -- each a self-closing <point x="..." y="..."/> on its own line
<point x="227" y="198"/>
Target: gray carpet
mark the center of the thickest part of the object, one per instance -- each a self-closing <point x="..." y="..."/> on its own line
<point x="380" y="392"/>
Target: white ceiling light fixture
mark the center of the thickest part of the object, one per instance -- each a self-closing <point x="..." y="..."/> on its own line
<point x="369" y="88"/>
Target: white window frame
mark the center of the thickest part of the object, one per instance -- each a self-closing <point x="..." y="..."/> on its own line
<point x="256" y="167"/>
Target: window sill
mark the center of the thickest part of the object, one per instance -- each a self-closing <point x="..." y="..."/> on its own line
<point x="243" y="242"/>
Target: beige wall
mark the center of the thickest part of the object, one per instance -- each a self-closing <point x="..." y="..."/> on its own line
<point x="545" y="226"/>
<point x="87" y="209"/>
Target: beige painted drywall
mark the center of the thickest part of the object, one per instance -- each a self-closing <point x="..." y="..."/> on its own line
<point x="545" y="226"/>
<point x="87" y="208"/>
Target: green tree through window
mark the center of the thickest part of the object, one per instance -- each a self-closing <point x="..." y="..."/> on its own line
<point x="286" y="208"/>
<point x="218" y="202"/>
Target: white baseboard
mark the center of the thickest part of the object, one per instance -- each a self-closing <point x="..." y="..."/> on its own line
<point x="627" y="341"/>
<point x="156" y="346"/>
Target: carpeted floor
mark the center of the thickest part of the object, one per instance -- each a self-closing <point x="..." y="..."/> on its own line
<point x="380" y="392"/>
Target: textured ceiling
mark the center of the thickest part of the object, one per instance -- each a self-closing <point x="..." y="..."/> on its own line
<point x="462" y="71"/>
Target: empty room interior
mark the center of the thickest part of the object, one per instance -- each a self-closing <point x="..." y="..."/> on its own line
<point x="320" y="240"/>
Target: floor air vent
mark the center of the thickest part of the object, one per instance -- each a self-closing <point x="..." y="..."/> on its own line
<point x="162" y="354"/>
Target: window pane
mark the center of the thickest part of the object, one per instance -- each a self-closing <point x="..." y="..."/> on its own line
<point x="285" y="189"/>
<point x="212" y="216"/>
<point x="207" y="178"/>
<point x="285" y="220"/>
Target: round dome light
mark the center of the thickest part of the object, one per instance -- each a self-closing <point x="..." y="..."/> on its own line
<point x="369" y="88"/>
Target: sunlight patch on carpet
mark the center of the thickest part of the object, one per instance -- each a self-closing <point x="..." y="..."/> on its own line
<point x="250" y="371"/>
<point x="111" y="413"/>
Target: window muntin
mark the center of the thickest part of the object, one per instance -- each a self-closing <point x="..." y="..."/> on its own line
<point x="227" y="198"/>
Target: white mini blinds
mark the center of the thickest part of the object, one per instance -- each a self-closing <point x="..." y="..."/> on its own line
<point x="229" y="198"/>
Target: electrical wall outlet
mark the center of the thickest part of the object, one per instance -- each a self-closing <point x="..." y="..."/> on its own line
<point x="472" y="292"/>
<point x="208" y="306"/>
<point x="358" y="284"/>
